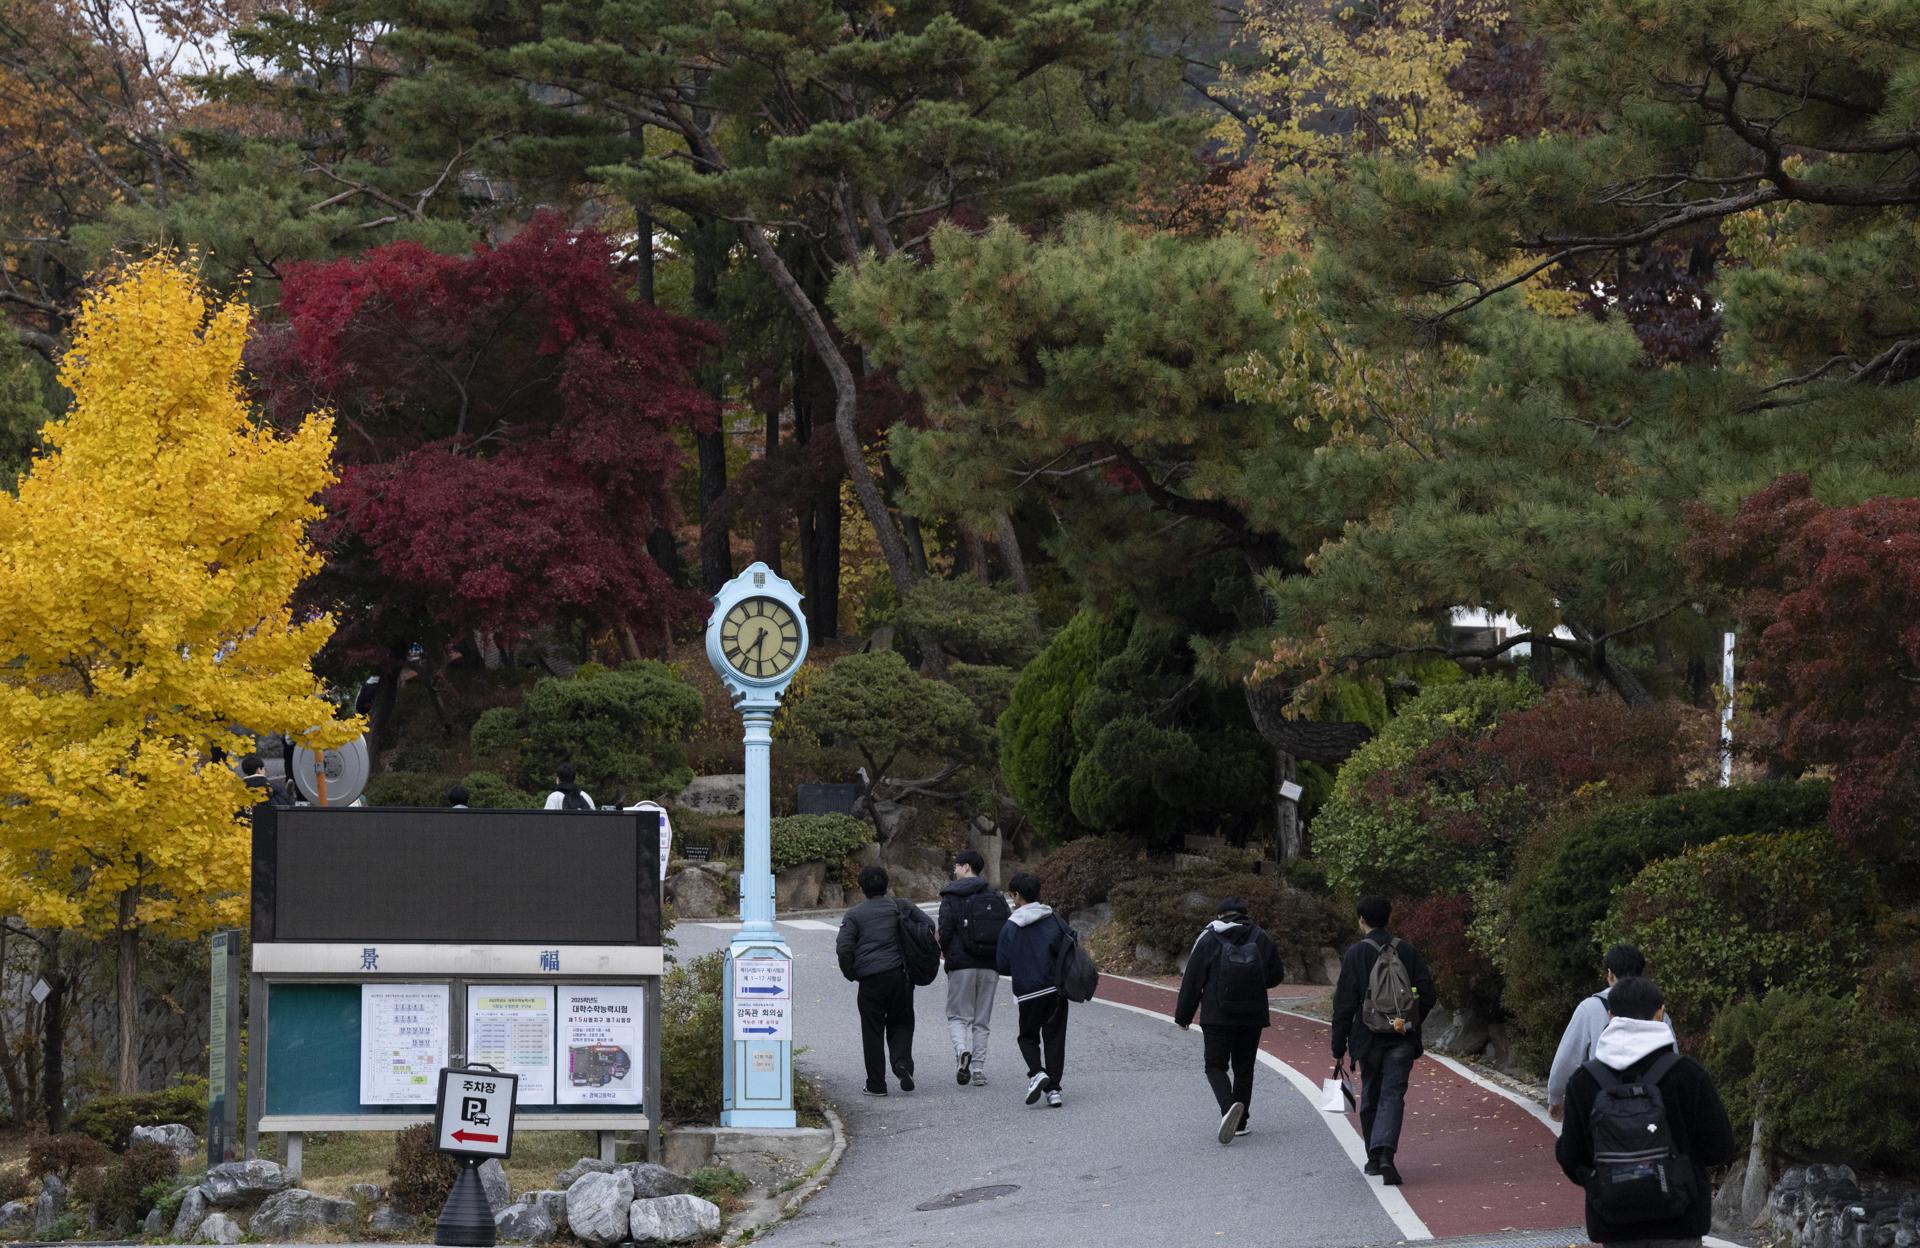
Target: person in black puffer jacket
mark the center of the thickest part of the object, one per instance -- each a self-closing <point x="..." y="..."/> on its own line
<point x="1228" y="973"/>
<point x="870" y="954"/>
<point x="972" y="912"/>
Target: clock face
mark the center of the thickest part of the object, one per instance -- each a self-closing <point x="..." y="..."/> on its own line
<point x="760" y="637"/>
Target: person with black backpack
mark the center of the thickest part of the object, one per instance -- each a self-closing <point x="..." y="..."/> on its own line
<point x="566" y="794"/>
<point x="253" y="774"/>
<point x="1031" y="944"/>
<point x="1232" y="965"/>
<point x="972" y="912"/>
<point x="1385" y="993"/>
<point x="883" y="946"/>
<point x="1643" y="1127"/>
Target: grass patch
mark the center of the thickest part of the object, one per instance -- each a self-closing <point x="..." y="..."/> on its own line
<point x="335" y="1160"/>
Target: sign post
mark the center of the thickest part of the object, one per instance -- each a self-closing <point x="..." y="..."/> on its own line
<point x="756" y="641"/>
<point x="472" y="1122"/>
<point x="223" y="1051"/>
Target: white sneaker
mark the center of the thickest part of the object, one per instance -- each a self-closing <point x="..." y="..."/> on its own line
<point x="1230" y="1122"/>
<point x="979" y="1077"/>
<point x="1053" y="1100"/>
<point x="1036" y="1086"/>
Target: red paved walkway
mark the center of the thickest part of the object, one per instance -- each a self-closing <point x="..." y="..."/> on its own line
<point x="1475" y="1163"/>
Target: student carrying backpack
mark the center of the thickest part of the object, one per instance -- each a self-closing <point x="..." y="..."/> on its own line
<point x="1643" y="1125"/>
<point x="1031" y="945"/>
<point x="566" y="794"/>
<point x="1383" y="997"/>
<point x="1232" y="966"/>
<point x="972" y="912"/>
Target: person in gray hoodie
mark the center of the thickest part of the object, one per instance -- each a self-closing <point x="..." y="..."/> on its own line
<point x="1029" y="949"/>
<point x="1584" y="1028"/>
<point x="1232" y="966"/>
<point x="972" y="915"/>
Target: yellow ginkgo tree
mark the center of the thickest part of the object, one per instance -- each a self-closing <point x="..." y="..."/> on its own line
<point x="147" y="569"/>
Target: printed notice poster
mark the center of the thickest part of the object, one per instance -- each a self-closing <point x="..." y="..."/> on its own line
<point x="403" y="1042"/>
<point x="510" y="1026"/>
<point x="600" y="1045"/>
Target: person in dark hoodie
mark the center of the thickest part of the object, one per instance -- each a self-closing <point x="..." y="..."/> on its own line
<point x="1659" y="1196"/>
<point x="1029" y="949"/>
<point x="1232" y="965"/>
<point x="1383" y="1046"/>
<point x="972" y="913"/>
<point x="871" y="956"/>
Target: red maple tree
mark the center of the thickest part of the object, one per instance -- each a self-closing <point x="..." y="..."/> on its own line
<point x="507" y="425"/>
<point x="1827" y="604"/>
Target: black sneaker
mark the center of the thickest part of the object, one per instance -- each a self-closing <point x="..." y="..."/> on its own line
<point x="964" y="1075"/>
<point x="1230" y="1122"/>
<point x="874" y="1091"/>
<point x="1373" y="1161"/>
<point x="1388" y="1174"/>
<point x="1245" y="1127"/>
<point x="1036" y="1087"/>
<point x="906" y="1082"/>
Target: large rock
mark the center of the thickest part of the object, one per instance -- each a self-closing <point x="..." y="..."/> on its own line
<point x="173" y="1135"/>
<point x="798" y="888"/>
<point x="524" y="1223"/>
<point x="597" y="1206"/>
<point x="1463" y="1033"/>
<point x="555" y="1204"/>
<point x="367" y="1193"/>
<point x="891" y="818"/>
<point x="493" y="1179"/>
<point x="673" y="1219"/>
<point x="232" y="1184"/>
<point x="50" y="1205"/>
<point x="699" y="892"/>
<point x="388" y="1220"/>
<point x="16" y="1219"/>
<point x="193" y="1211"/>
<point x="155" y="1224"/>
<point x="217" y="1229"/>
<point x="297" y="1213"/>
<point x="586" y="1165"/>
<point x="715" y="795"/>
<point x="650" y="1180"/>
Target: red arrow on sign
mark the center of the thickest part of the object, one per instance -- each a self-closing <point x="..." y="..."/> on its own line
<point x="474" y="1137"/>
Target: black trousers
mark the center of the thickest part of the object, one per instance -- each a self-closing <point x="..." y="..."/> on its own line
<point x="1043" y="1036"/>
<point x="1231" y="1046"/>
<point x="886" y="1025"/>
<point x="1384" y="1072"/>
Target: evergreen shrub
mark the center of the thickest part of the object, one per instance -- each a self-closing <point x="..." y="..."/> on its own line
<point x="117" y="1192"/>
<point x="1167" y="912"/>
<point x="111" y="1117"/>
<point x="1083" y="872"/>
<point x="691" y="1039"/>
<point x="625" y="731"/>
<point x="1038" y="752"/>
<point x="419" y="1175"/>
<point x="799" y="839"/>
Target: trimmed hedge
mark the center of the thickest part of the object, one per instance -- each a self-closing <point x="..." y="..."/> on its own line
<point x="1742" y="916"/>
<point x="1567" y="877"/>
<point x="625" y="731"/>
<point x="1038" y="751"/>
<point x="799" y="839"/>
<point x="1168" y="912"/>
<point x="692" y="1038"/>
<point x="111" y="1118"/>
<point x="1083" y="873"/>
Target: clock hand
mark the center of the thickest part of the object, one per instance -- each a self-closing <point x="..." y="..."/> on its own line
<point x="761" y="644"/>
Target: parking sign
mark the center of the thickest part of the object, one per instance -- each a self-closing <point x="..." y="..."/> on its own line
<point x="474" y="1115"/>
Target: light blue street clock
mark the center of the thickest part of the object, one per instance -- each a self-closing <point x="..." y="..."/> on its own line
<point x="756" y="641"/>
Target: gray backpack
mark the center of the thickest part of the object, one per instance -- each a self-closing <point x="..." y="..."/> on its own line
<point x="1390" y="992"/>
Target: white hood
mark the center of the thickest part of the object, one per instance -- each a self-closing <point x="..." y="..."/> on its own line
<point x="1222" y="926"/>
<point x="1627" y="1040"/>
<point x="1030" y="914"/>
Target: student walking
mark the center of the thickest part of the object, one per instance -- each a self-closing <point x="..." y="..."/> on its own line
<point x="1385" y="993"/>
<point x="1584" y="1028"/>
<point x="1232" y="966"/>
<point x="972" y="914"/>
<point x="872" y="955"/>
<point x="1643" y="1127"/>
<point x="567" y="795"/>
<point x="253" y="774"/>
<point x="1028" y="952"/>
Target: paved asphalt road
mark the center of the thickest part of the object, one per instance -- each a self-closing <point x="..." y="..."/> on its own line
<point x="1130" y="1160"/>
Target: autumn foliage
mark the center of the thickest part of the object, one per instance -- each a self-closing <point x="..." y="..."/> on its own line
<point x="508" y="429"/>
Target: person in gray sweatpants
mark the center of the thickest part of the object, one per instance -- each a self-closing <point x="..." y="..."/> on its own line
<point x="972" y="913"/>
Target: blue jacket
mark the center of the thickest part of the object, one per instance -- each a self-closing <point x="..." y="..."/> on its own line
<point x="1029" y="946"/>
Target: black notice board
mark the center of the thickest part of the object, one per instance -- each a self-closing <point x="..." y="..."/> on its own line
<point x="456" y="876"/>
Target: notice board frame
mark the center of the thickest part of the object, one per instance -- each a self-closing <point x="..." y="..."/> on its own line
<point x="282" y="961"/>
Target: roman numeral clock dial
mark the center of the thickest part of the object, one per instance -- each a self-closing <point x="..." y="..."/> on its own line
<point x="760" y="638"/>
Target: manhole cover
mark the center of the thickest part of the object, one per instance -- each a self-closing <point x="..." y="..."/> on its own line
<point x="971" y="1196"/>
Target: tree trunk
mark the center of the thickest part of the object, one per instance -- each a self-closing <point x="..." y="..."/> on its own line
<point x="891" y="481"/>
<point x="1540" y="664"/>
<point x="716" y="545"/>
<point x="975" y="548"/>
<point x="53" y="1082"/>
<point x="1010" y="552"/>
<point x="767" y="535"/>
<point x="9" y="1060"/>
<point x="126" y="994"/>
<point x="1758" y="1183"/>
<point x="1288" y="838"/>
<point x="820" y="561"/>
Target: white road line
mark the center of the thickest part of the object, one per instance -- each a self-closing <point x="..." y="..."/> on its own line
<point x="810" y="925"/>
<point x="1392" y="1202"/>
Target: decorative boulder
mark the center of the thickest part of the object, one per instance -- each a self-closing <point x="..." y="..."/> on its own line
<point x="51" y="1204"/>
<point x="193" y="1211"/>
<point x="390" y="1221"/>
<point x="16" y="1219"/>
<point x="715" y="795"/>
<point x="650" y="1180"/>
<point x="798" y="888"/>
<point x="586" y="1165"/>
<point x="232" y="1184"/>
<point x="555" y="1204"/>
<point x="366" y="1193"/>
<point x="297" y="1213"/>
<point x="673" y="1219"/>
<point x="597" y="1206"/>
<point x="493" y="1180"/>
<point x="218" y="1229"/>
<point x="524" y="1223"/>
<point x="155" y="1224"/>
<point x="697" y="892"/>
<point x="173" y="1135"/>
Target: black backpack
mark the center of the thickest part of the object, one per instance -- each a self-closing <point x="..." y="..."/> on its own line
<point x="574" y="799"/>
<point x="919" y="944"/>
<point x="1638" y="1174"/>
<point x="982" y="915"/>
<point x="1241" y="973"/>
<point x="1074" y="973"/>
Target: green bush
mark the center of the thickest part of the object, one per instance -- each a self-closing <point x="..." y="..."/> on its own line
<point x="488" y="790"/>
<point x="1831" y="1078"/>
<point x="973" y="621"/>
<point x="718" y="1183"/>
<point x="691" y="1039"/>
<point x="800" y="839"/>
<point x="1168" y="912"/>
<point x="420" y="1176"/>
<point x="111" y="1118"/>
<point x="990" y="689"/>
<point x="408" y="788"/>
<point x="65" y="1155"/>
<point x="624" y="731"/>
<point x="117" y="1192"/>
<point x="1037" y="748"/>
<point x="1566" y="878"/>
<point x="1083" y="873"/>
<point x="1744" y="915"/>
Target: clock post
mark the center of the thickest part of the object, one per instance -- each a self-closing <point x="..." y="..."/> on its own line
<point x="756" y="641"/>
